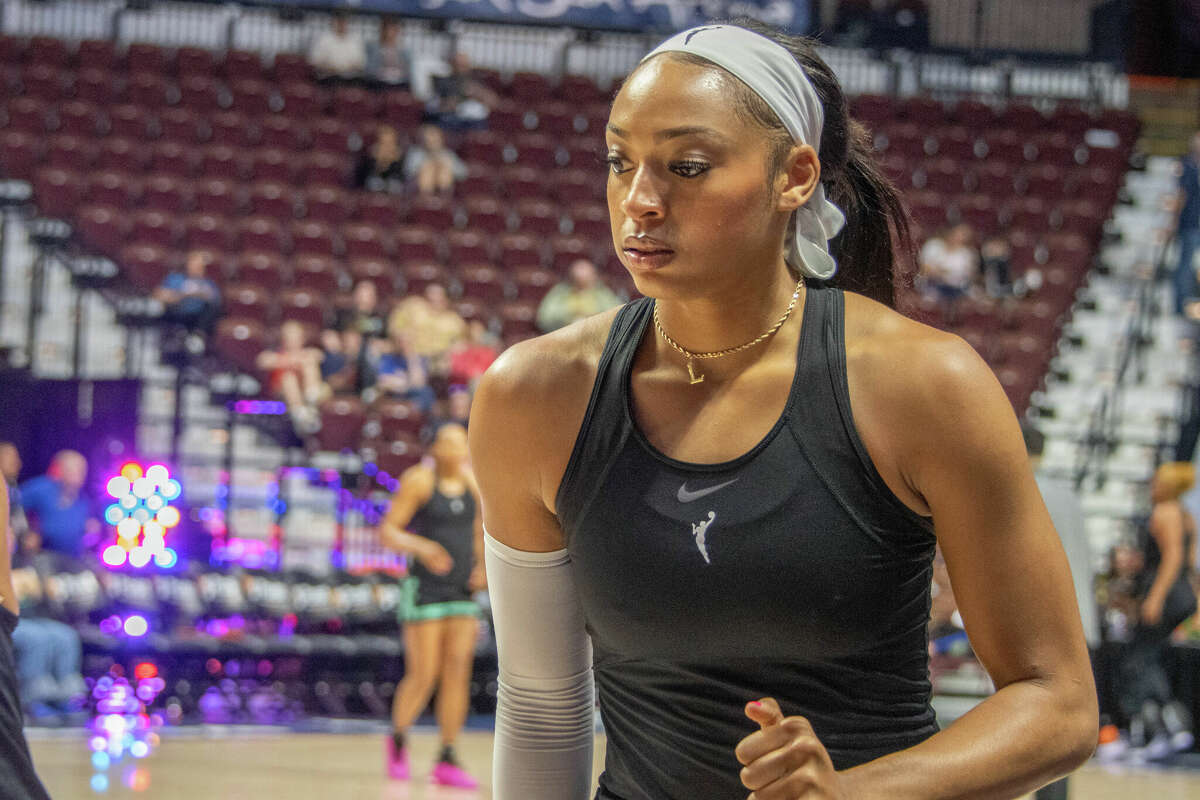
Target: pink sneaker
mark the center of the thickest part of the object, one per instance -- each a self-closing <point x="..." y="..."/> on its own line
<point x="449" y="775"/>
<point x="397" y="761"/>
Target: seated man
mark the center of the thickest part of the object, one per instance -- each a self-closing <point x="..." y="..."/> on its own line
<point x="402" y="372"/>
<point x="461" y="101"/>
<point x="950" y="264"/>
<point x="58" y="508"/>
<point x="338" y="53"/>
<point x="49" y="652"/>
<point x="191" y="298"/>
<point x="581" y="295"/>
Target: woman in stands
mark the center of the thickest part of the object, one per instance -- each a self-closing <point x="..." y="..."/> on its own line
<point x="434" y="520"/>
<point x="1159" y="723"/>
<point x="721" y="502"/>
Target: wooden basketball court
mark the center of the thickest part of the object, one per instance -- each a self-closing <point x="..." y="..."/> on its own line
<point x="253" y="764"/>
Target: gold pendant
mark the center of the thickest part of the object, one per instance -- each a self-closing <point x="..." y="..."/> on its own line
<point x="692" y="373"/>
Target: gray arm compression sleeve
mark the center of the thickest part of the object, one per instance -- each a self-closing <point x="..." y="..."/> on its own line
<point x="543" y="748"/>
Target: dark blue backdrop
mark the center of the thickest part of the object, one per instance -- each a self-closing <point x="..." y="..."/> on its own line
<point x="648" y="15"/>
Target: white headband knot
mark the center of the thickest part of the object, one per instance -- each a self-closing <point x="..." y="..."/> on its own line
<point x="774" y="75"/>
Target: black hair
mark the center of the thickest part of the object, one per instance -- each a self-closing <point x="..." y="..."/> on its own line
<point x="1035" y="440"/>
<point x="877" y="231"/>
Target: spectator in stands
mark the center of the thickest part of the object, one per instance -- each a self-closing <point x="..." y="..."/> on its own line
<point x="10" y="470"/>
<point x="1188" y="226"/>
<point x="402" y="373"/>
<point x="294" y="371"/>
<point x="388" y="60"/>
<point x="337" y="52"/>
<point x="48" y="651"/>
<point x="381" y="168"/>
<point x="337" y="367"/>
<point x="17" y="775"/>
<point x="456" y="410"/>
<point x="362" y="328"/>
<point x="58" y="508"/>
<point x="1159" y="723"/>
<point x="191" y="298"/>
<point x="431" y="164"/>
<point x="581" y="295"/>
<point x="950" y="264"/>
<point x="430" y="324"/>
<point x="471" y="357"/>
<point x="460" y="100"/>
<point x="995" y="260"/>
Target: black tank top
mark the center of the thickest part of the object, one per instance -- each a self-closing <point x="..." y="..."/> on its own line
<point x="791" y="571"/>
<point x="449" y="521"/>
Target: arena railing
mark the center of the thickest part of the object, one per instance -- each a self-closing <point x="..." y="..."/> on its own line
<point x="556" y="50"/>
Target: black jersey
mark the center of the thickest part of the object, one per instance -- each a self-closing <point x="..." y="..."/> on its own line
<point x="18" y="780"/>
<point x="449" y="521"/>
<point x="792" y="572"/>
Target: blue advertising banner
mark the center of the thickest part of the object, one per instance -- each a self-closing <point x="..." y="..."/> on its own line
<point x="628" y="15"/>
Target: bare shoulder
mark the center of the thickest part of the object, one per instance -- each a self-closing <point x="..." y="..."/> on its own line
<point x="417" y="479"/>
<point x="529" y="407"/>
<point x="547" y="374"/>
<point x="917" y="394"/>
<point x="905" y="359"/>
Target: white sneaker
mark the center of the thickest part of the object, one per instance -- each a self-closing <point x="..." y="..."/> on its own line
<point x="1158" y="749"/>
<point x="1182" y="741"/>
<point x="1112" y="752"/>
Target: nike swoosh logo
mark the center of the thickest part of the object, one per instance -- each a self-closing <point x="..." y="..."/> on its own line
<point x="684" y="496"/>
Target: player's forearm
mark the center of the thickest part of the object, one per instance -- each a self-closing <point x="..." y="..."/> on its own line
<point x="1024" y="736"/>
<point x="400" y="540"/>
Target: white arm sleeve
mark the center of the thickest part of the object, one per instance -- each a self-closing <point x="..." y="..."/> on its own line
<point x="544" y="723"/>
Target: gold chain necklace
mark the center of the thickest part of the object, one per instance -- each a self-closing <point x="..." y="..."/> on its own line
<point x="691" y="356"/>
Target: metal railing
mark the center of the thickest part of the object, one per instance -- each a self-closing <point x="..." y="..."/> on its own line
<point x="552" y="50"/>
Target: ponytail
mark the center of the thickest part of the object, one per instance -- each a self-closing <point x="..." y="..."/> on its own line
<point x="875" y="246"/>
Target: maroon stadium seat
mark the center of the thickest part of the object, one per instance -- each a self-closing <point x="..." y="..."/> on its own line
<point x="168" y="193"/>
<point x="222" y="161"/>
<point x="313" y="237"/>
<point x="130" y="120"/>
<point x="248" y="301"/>
<point x="205" y="231"/>
<point x="402" y="110"/>
<point x="328" y="204"/>
<point x="315" y="272"/>
<point x="533" y="283"/>
<point x="250" y="96"/>
<point x="378" y="271"/>
<point x="145" y="264"/>
<point x="519" y="250"/>
<point x="378" y="208"/>
<point x="539" y="217"/>
<point x="100" y="54"/>
<point x="57" y="191"/>
<point x="466" y="246"/>
<point x="590" y="220"/>
<point x="147" y="90"/>
<point x="241" y="340"/>
<point x="291" y="67"/>
<point x="1055" y="148"/>
<point x="394" y="455"/>
<point x="150" y="58"/>
<point x="272" y="199"/>
<point x="342" y="420"/>
<point x="182" y="125"/>
<point x="233" y="128"/>
<point x="113" y="188"/>
<point x="324" y="167"/>
<point x="354" y="105"/>
<point x="302" y="305"/>
<point x="396" y="418"/>
<point x="364" y="240"/>
<point x="156" y="227"/>
<point x="194" y="61"/>
<point x="97" y="86"/>
<point x="219" y="196"/>
<point x="47" y="50"/>
<point x="103" y="228"/>
<point x="26" y="114"/>
<point x="566" y="249"/>
<point x="483" y="282"/>
<point x="175" y="158"/>
<point x="416" y="243"/>
<point x="284" y="132"/>
<point x="302" y="100"/>
<point x="239" y="64"/>
<point x="70" y="152"/>
<point x="261" y="233"/>
<point x="260" y="268"/>
<point x="432" y="211"/>
<point x="80" y="118"/>
<point x="419" y="274"/>
<point x="46" y="83"/>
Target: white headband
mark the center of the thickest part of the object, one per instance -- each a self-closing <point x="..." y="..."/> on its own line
<point x="773" y="74"/>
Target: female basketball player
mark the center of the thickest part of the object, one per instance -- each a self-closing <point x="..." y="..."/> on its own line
<point x="735" y="488"/>
<point x="1158" y="722"/>
<point x="434" y="520"/>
